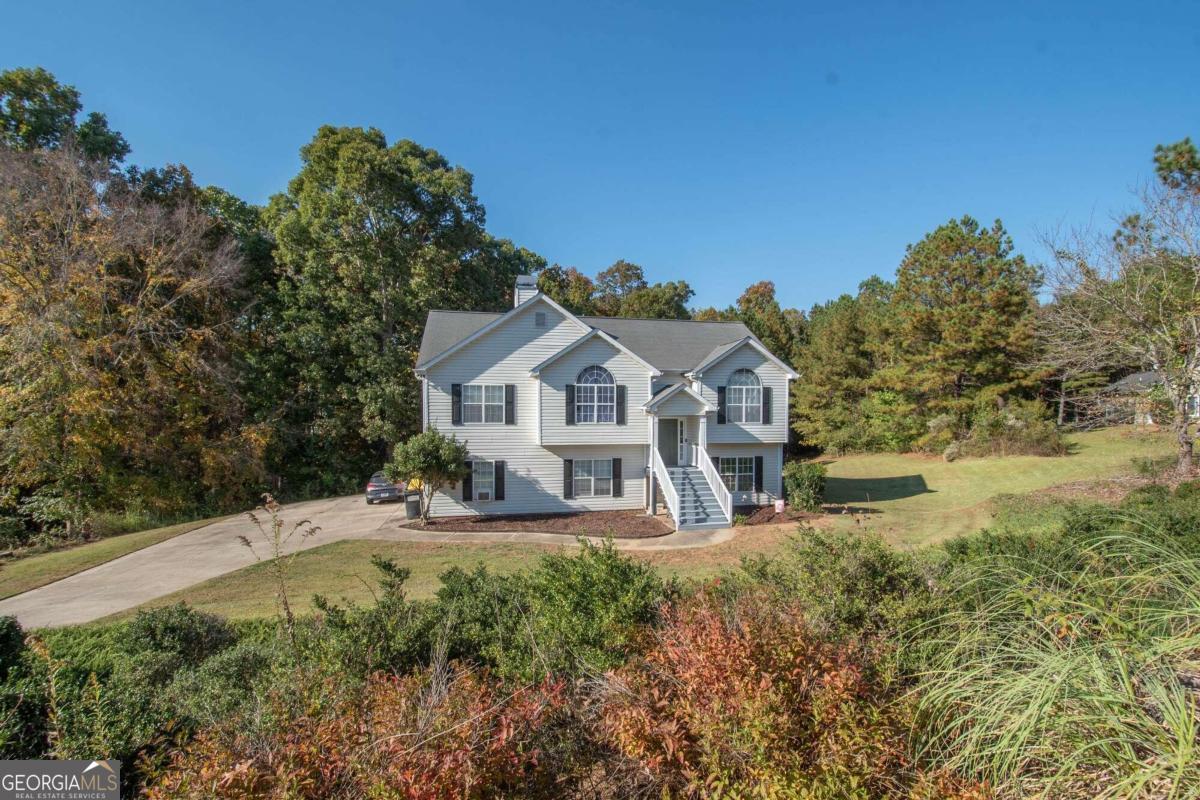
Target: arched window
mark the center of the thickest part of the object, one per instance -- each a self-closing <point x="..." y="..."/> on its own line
<point x="743" y="397"/>
<point x="595" y="396"/>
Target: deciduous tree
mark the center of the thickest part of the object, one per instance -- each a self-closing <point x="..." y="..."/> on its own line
<point x="116" y="311"/>
<point x="38" y="112"/>
<point x="1135" y="296"/>
<point x="432" y="457"/>
<point x="369" y="236"/>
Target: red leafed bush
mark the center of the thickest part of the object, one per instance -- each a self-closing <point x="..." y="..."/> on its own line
<point x="746" y="700"/>
<point x="428" y="736"/>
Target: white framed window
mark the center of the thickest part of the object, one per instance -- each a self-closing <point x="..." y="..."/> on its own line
<point x="482" y="403"/>
<point x="738" y="473"/>
<point x="592" y="477"/>
<point x="743" y="397"/>
<point x="595" y="396"/>
<point x="483" y="480"/>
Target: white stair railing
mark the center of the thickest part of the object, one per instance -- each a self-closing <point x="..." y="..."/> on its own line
<point x="724" y="497"/>
<point x="668" y="486"/>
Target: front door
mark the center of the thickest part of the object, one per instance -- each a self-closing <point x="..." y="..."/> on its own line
<point x="668" y="441"/>
<point x="685" y="451"/>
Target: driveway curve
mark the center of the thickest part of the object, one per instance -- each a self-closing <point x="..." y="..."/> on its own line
<point x="216" y="549"/>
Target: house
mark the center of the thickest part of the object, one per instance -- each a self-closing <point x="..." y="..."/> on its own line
<point x="1131" y="398"/>
<point x="567" y="413"/>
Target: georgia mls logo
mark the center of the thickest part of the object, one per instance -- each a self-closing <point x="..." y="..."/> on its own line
<point x="60" y="780"/>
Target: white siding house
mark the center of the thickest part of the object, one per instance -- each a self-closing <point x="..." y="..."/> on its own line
<point x="566" y="413"/>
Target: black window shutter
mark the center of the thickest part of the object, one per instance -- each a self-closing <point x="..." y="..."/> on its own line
<point x="717" y="463"/>
<point x="570" y="404"/>
<point x="758" y="471"/>
<point x="766" y="411"/>
<point x="618" y="486"/>
<point x="456" y="404"/>
<point x="510" y="404"/>
<point x="498" y="473"/>
<point x="620" y="405"/>
<point x="468" y="489"/>
<point x="568" y="478"/>
<point x="720" y="405"/>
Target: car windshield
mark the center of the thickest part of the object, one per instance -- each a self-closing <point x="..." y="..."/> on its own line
<point x="379" y="477"/>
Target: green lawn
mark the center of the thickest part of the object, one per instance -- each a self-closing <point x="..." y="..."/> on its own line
<point x="342" y="570"/>
<point x="915" y="500"/>
<point x="34" y="571"/>
<point x="912" y="500"/>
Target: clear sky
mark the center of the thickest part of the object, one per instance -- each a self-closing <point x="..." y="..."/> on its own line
<point x="721" y="143"/>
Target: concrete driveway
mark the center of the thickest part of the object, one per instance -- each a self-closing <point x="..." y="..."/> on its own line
<point x="193" y="557"/>
<point x="215" y="549"/>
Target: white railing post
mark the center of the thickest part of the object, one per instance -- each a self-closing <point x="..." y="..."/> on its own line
<point x="724" y="497"/>
<point x="668" y="487"/>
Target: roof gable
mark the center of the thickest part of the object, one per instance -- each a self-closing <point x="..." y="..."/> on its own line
<point x="473" y="326"/>
<point x="596" y="334"/>
<point x="719" y="353"/>
<point x="676" y="392"/>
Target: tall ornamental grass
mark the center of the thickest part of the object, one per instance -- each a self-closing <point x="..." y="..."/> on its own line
<point x="1072" y="668"/>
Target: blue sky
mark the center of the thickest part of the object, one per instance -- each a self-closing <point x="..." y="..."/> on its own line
<point x="721" y="143"/>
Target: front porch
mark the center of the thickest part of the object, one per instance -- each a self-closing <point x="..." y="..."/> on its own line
<point x="680" y="466"/>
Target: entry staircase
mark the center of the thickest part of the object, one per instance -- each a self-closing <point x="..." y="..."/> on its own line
<point x="695" y="495"/>
<point x="698" y="505"/>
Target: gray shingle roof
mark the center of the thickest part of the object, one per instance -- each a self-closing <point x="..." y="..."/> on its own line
<point x="668" y="344"/>
<point x="1135" y="383"/>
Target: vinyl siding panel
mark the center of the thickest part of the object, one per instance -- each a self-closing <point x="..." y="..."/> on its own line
<point x="533" y="482"/>
<point x="680" y="405"/>
<point x="772" y="467"/>
<point x="625" y="371"/>
<point x="747" y="357"/>
<point x="503" y="356"/>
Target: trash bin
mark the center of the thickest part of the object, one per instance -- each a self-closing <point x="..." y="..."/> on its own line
<point x="412" y="505"/>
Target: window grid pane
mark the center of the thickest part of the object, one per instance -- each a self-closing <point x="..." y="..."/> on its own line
<point x="592" y="477"/>
<point x="483" y="403"/>
<point x="483" y="478"/>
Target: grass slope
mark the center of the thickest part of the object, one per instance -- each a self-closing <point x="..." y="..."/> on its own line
<point x="915" y="500"/>
<point x="34" y="571"/>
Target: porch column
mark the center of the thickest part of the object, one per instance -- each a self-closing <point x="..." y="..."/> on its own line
<point x="704" y="432"/>
<point x="652" y="500"/>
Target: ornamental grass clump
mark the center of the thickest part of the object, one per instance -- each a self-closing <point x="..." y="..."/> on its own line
<point x="1072" y="668"/>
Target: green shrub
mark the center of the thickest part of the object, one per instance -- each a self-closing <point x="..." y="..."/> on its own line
<point x="804" y="482"/>
<point x="225" y="689"/>
<point x="178" y="631"/>
<point x="13" y="532"/>
<point x="394" y="634"/>
<point x="1021" y="427"/>
<point x="849" y="584"/>
<point x="12" y="645"/>
<point x="570" y="614"/>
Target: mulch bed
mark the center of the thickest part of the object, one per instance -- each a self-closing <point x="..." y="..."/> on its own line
<point x="1109" y="490"/>
<point x="765" y="515"/>
<point x="617" y="524"/>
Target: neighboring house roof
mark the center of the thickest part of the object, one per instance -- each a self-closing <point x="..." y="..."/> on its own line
<point x="1137" y="382"/>
<point x="667" y="345"/>
<point x="596" y="333"/>
<point x="671" y="391"/>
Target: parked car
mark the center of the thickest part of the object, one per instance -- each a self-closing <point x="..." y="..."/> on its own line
<point x="379" y="488"/>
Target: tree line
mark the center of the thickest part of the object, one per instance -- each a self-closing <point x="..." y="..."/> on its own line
<point x="170" y="349"/>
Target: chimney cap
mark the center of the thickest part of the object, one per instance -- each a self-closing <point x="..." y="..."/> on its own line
<point x="526" y="280"/>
